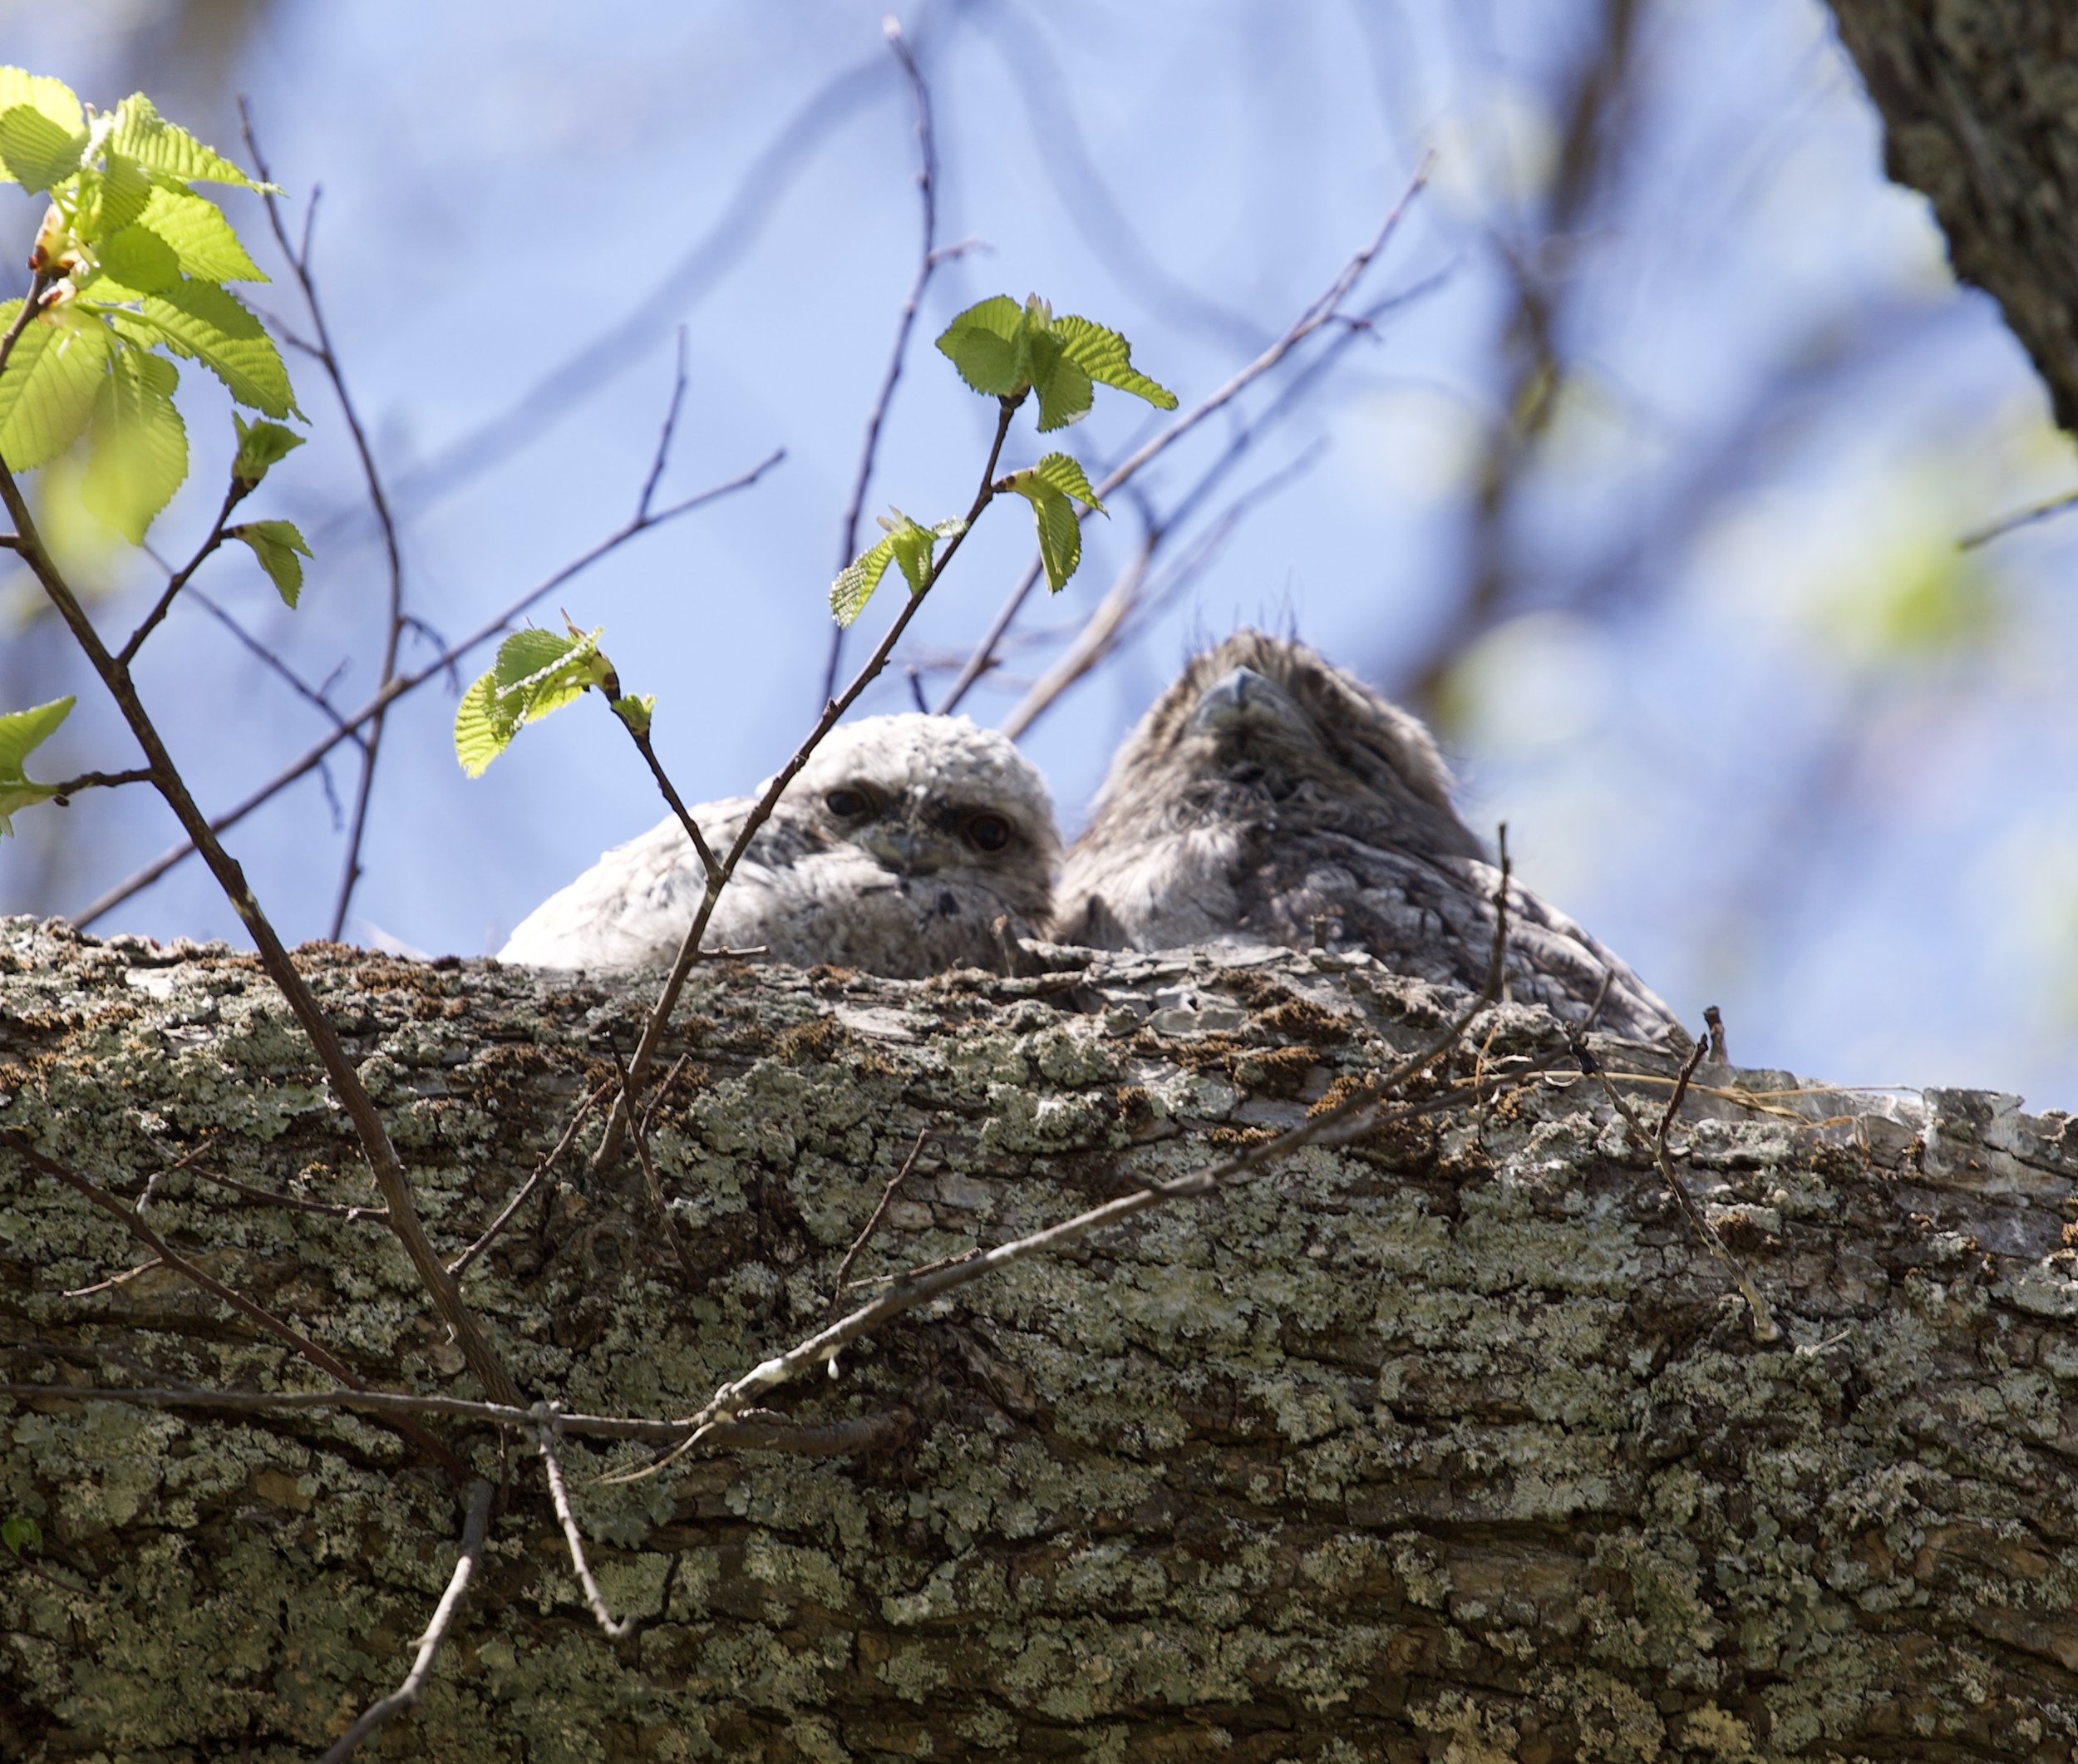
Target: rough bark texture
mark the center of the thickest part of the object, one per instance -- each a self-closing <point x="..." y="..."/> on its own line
<point x="1980" y="106"/>
<point x="1446" y="1444"/>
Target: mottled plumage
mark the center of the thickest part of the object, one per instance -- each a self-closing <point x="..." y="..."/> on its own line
<point x="901" y="843"/>
<point x="1267" y="788"/>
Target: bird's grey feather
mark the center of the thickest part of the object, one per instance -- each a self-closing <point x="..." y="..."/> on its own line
<point x="900" y="887"/>
<point x="1268" y="792"/>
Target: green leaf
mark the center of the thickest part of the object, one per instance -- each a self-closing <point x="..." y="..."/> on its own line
<point x="984" y="343"/>
<point x="199" y="319"/>
<point x="36" y="150"/>
<point x="201" y="238"/>
<point x="170" y="151"/>
<point x="140" y="259"/>
<point x="536" y="672"/>
<point x="1060" y="533"/>
<point x="1107" y="358"/>
<point x="1064" y="475"/>
<point x="21" y="732"/>
<point x="116" y="196"/>
<point x="137" y="445"/>
<point x="636" y="709"/>
<point x="19" y="1533"/>
<point x="260" y="446"/>
<point x="53" y="97"/>
<point x="276" y="544"/>
<point x="855" y="583"/>
<point x="46" y="395"/>
<point x="1065" y="393"/>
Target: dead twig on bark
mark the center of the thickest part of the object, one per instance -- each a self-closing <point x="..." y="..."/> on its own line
<point x="546" y="1163"/>
<point x="615" y="1629"/>
<point x="474" y="1527"/>
<point x="872" y="1224"/>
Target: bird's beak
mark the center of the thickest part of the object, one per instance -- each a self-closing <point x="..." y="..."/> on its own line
<point x="1241" y="698"/>
<point x="908" y="850"/>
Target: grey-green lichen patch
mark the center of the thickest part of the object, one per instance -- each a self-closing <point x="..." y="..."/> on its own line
<point x="1448" y="1437"/>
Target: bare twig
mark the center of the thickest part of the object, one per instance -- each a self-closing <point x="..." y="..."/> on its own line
<point x="2025" y="517"/>
<point x="761" y="812"/>
<point x="541" y="1169"/>
<point x="544" y="1439"/>
<point x="327" y="358"/>
<point x="650" y="1179"/>
<point x="1765" y="1327"/>
<point x="473" y="1526"/>
<point x="114" y="1280"/>
<point x="755" y="1430"/>
<point x="1319" y="313"/>
<point x="640" y="736"/>
<point x="340" y="1071"/>
<point x="662" y="456"/>
<point x="294" y="1203"/>
<point x="872" y="1224"/>
<point x="63" y="793"/>
<point x="239" y="491"/>
<point x="312" y="695"/>
<point x="280" y="1328"/>
<point x="411" y="680"/>
<point x="928" y="261"/>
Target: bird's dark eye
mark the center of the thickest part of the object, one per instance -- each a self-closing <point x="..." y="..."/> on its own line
<point x="988" y="832"/>
<point x="847" y="805"/>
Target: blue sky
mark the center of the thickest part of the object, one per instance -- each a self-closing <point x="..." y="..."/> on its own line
<point x="1748" y="713"/>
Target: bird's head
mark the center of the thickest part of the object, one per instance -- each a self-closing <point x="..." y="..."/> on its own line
<point x="934" y="795"/>
<point x="1263" y="720"/>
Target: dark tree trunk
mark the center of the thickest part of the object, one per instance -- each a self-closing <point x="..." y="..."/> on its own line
<point x="1980" y="107"/>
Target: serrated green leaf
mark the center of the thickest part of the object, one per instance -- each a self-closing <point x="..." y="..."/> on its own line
<point x="1060" y="533"/>
<point x="40" y="91"/>
<point x="1065" y="392"/>
<point x="913" y="545"/>
<point x="1107" y="358"/>
<point x="137" y="454"/>
<point x="19" y="1532"/>
<point x="855" y="583"/>
<point x="199" y="319"/>
<point x="536" y="672"/>
<point x="137" y="259"/>
<point x="1065" y="475"/>
<point x="21" y="733"/>
<point x="207" y="247"/>
<point x="276" y="544"/>
<point x="36" y="151"/>
<point x="984" y="343"/>
<point x="260" y="446"/>
<point x="636" y="709"/>
<point x="169" y="149"/>
<point x="46" y="395"/>
<point x="481" y="734"/>
<point x="116" y="196"/>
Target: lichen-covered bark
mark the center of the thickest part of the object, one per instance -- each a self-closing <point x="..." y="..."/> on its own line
<point x="1448" y="1443"/>
<point x="1980" y="106"/>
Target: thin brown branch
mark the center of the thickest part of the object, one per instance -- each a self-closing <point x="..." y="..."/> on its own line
<point x="327" y="358"/>
<point x="756" y="1430"/>
<point x="708" y="862"/>
<point x="294" y="1203"/>
<point x="651" y="1181"/>
<point x="303" y="688"/>
<point x="340" y="1070"/>
<point x="544" y="1440"/>
<point x="474" y="1527"/>
<point x="325" y="1361"/>
<point x="410" y="681"/>
<point x="689" y="950"/>
<point x="865" y="1236"/>
<point x="1765" y="1327"/>
<point x="1320" y="312"/>
<point x="177" y="581"/>
<point x="62" y="794"/>
<point x="31" y="303"/>
<point x="113" y="1281"/>
<point x="460" y="1265"/>
<point x="927" y="265"/>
